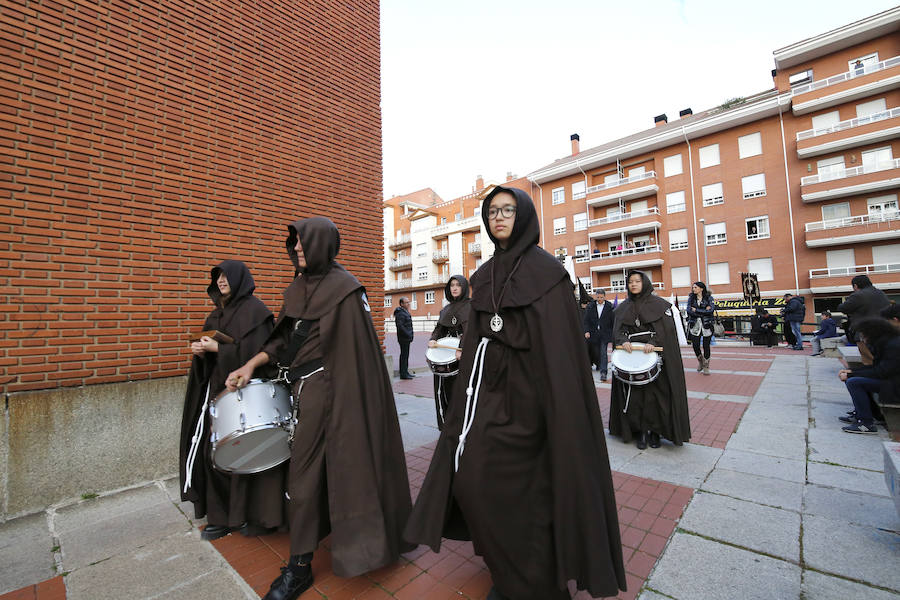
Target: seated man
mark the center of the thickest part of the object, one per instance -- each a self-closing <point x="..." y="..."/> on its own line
<point x="882" y="376"/>
<point x="827" y="329"/>
<point x="762" y="328"/>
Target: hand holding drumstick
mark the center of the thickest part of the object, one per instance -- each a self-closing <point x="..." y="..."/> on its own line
<point x="647" y="348"/>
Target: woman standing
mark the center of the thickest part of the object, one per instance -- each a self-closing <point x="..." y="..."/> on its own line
<point x="700" y="310"/>
<point x="228" y="501"/>
<point x="451" y="323"/>
<point x="659" y="408"/>
<point x="521" y="466"/>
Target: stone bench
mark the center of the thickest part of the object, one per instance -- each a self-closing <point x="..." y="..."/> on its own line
<point x="831" y="346"/>
<point x="850" y="356"/>
<point x="892" y="471"/>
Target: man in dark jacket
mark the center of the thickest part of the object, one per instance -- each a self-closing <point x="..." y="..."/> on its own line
<point x="827" y="329"/>
<point x="793" y="313"/>
<point x="598" y="329"/>
<point x="403" y="320"/>
<point x="866" y="301"/>
<point x="883" y="376"/>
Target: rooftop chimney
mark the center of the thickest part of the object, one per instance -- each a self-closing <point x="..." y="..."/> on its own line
<point x="576" y="146"/>
<point x="510" y="176"/>
<point x="660" y="120"/>
<point x="479" y="183"/>
<point x="685" y="113"/>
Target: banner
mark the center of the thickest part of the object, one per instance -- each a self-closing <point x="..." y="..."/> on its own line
<point x="750" y="286"/>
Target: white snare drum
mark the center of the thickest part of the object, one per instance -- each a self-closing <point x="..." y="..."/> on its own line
<point x="443" y="361"/>
<point x="636" y="367"/>
<point x="250" y="427"/>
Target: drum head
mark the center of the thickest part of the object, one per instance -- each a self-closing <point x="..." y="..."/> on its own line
<point x="252" y="451"/>
<point x="633" y="362"/>
<point x="443" y="361"/>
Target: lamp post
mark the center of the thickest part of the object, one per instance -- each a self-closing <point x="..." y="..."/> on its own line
<point x="705" y="261"/>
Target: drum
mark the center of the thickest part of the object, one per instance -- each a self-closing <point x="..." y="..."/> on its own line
<point x="636" y="368"/>
<point x="443" y="361"/>
<point x="250" y="427"/>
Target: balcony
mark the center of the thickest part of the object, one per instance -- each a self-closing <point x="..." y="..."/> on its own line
<point x="837" y="279"/>
<point x="628" y="188"/>
<point x="846" y="87"/>
<point x="467" y="224"/>
<point x="646" y="219"/>
<point x="645" y="256"/>
<point x="870" y="129"/>
<point x="406" y="284"/>
<point x="400" y="242"/>
<point x="475" y="248"/>
<point x="849" y="230"/>
<point x="617" y="289"/>
<point x="840" y="183"/>
<point x="439" y="256"/>
<point x="401" y="263"/>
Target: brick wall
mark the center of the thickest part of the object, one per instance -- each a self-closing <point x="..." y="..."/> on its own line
<point x="144" y="142"/>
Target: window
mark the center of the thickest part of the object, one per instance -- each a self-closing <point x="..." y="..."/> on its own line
<point x="749" y="145"/>
<point x="718" y="274"/>
<point x="613" y="211"/>
<point x="457" y="216"/>
<point x="580" y="221"/>
<point x="876" y="160"/>
<point x="835" y="211"/>
<point x="582" y="250"/>
<point x="559" y="195"/>
<point x="882" y="204"/>
<point x="429" y="297"/>
<point x="421" y="250"/>
<point x="886" y="255"/>
<point x="681" y="277"/>
<point x="874" y="109"/>
<point x="709" y="156"/>
<point x="675" y="202"/>
<point x="715" y="234"/>
<point x="829" y="119"/>
<point x="863" y="64"/>
<point x="754" y="186"/>
<point x="578" y="189"/>
<point x="413" y="303"/>
<point x="800" y="78"/>
<point x="423" y="274"/>
<point x="638" y="207"/>
<point x="839" y="262"/>
<point x="712" y="194"/>
<point x="672" y="165"/>
<point x="443" y="220"/>
<point x="830" y="168"/>
<point x="586" y="282"/>
<point x="757" y="228"/>
<point x="559" y="226"/>
<point x="762" y="267"/>
<point x="387" y="301"/>
<point x="678" y="239"/>
<point x="617" y="283"/>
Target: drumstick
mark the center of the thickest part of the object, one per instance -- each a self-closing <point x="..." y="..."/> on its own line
<point x="445" y="347"/>
<point x="239" y="381"/>
<point x="655" y="348"/>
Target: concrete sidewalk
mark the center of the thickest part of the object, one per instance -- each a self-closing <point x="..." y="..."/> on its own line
<point x="784" y="505"/>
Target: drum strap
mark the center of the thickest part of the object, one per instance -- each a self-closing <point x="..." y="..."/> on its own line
<point x="195" y="443"/>
<point x="471" y="400"/>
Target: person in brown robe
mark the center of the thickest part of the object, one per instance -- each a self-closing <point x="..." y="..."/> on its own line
<point x="451" y="323"/>
<point x="659" y="408"/>
<point x="254" y="503"/>
<point x="347" y="472"/>
<point x="521" y="466"/>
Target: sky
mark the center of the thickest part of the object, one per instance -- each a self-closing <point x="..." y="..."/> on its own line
<point x="487" y="87"/>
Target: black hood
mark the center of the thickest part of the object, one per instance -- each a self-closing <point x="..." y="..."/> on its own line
<point x="320" y="241"/>
<point x="239" y="279"/>
<point x="463" y="283"/>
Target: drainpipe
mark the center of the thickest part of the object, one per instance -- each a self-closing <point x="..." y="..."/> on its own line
<point x="693" y="206"/>
<point x="787" y="186"/>
<point x="540" y="203"/>
<point x="587" y="211"/>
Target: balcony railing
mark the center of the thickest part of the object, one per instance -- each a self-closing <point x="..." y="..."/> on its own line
<point x="625" y="180"/>
<point x="881" y="217"/>
<point x="854" y="270"/>
<point x="849" y="124"/>
<point x="455" y="225"/>
<point x="851" y="172"/>
<point x="643" y="212"/>
<point x="439" y="255"/>
<point x="475" y="248"/>
<point x="408" y="283"/>
<point x="403" y="239"/>
<point x="658" y="285"/>
<point x="403" y="261"/>
<point x="625" y="252"/>
<point x="846" y="76"/>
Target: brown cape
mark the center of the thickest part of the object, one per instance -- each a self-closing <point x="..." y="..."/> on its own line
<point x="661" y="405"/>
<point x="229" y="499"/>
<point x="534" y="489"/>
<point x="348" y="473"/>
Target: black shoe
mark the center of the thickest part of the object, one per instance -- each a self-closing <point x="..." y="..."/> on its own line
<point x="641" y="440"/>
<point x="406" y="377"/>
<point x="654" y="439"/>
<point x="860" y="427"/>
<point x="214" y="532"/>
<point x="293" y="581"/>
<point x="253" y="530"/>
<point x="848" y="419"/>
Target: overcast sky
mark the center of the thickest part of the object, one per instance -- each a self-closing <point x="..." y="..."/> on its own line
<point x="483" y="87"/>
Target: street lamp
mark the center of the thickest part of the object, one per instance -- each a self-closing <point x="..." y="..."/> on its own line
<point x="705" y="261"/>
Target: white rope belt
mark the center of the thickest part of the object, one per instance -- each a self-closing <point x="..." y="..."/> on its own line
<point x="195" y="443"/>
<point x="471" y="400"/>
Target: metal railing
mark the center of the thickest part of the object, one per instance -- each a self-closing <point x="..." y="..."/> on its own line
<point x="625" y="252"/>
<point x="403" y="261"/>
<point x="439" y="255"/>
<point x="475" y="248"/>
<point x="854" y="270"/>
<point x="881" y="217"/>
<point x="846" y="76"/>
<point x="623" y="181"/>
<point x="643" y="212"/>
<point x="403" y="239"/>
<point x="408" y="283"/>
<point x="851" y="172"/>
<point x="849" y="124"/>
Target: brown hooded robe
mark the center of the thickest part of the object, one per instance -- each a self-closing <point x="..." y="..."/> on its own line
<point x="226" y="499"/>
<point x="451" y="322"/>
<point x="661" y="405"/>
<point x="347" y="470"/>
<point x="534" y="489"/>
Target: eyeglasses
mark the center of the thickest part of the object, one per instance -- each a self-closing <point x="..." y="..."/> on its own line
<point x="507" y="211"/>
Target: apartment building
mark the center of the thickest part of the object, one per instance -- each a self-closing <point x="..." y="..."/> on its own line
<point x="798" y="184"/>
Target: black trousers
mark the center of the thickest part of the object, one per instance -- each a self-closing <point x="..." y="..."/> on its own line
<point x="404" y="357"/>
<point x="695" y="340"/>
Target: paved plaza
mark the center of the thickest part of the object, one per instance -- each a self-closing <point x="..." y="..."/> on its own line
<point x="770" y="500"/>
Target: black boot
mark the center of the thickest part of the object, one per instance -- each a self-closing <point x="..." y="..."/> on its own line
<point x="654" y="439"/>
<point x="295" y="579"/>
<point x="214" y="532"/>
<point x="641" y="440"/>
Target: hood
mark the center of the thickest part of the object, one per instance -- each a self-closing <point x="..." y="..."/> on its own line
<point x="464" y="284"/>
<point x="239" y="279"/>
<point x="646" y="288"/>
<point x="320" y="241"/>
